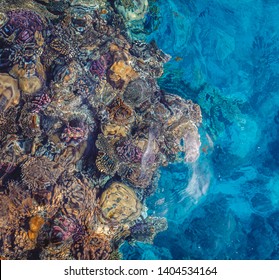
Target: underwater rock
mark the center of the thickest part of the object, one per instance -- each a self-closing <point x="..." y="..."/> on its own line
<point x="132" y="9"/>
<point x="146" y="230"/>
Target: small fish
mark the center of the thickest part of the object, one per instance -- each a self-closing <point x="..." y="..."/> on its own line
<point x="178" y="58"/>
<point x="160" y="201"/>
<point x="204" y="149"/>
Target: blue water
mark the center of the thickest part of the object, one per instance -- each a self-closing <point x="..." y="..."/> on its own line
<point x="226" y="205"/>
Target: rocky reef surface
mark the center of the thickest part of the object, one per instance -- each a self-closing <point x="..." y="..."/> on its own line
<point x="84" y="128"/>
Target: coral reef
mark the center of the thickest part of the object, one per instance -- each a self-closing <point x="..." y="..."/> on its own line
<point x="84" y="128"/>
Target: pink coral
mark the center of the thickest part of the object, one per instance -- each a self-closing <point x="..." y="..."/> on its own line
<point x="65" y="228"/>
<point x="40" y="102"/>
<point x="76" y="134"/>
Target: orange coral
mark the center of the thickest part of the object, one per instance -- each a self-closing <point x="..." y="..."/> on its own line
<point x="122" y="73"/>
<point x="35" y="224"/>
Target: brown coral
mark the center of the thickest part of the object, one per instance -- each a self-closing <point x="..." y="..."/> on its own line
<point x="94" y="246"/>
<point x="29" y="77"/>
<point x="30" y="85"/>
<point x="40" y="173"/>
<point x="106" y="163"/>
<point x="114" y="130"/>
<point x="119" y="203"/>
<point x="79" y="200"/>
<point x="120" y="113"/>
<point x="29" y="122"/>
<point x="8" y="123"/>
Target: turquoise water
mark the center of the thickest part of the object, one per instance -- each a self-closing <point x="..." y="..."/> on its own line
<point x="225" y="58"/>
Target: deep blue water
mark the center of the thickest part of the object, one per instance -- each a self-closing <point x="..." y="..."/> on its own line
<point x="225" y="206"/>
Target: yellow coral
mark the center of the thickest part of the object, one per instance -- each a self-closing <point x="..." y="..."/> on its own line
<point x="114" y="130"/>
<point x="30" y="85"/>
<point x="120" y="203"/>
<point x="29" y="81"/>
<point x="9" y="92"/>
<point x="39" y="38"/>
<point x="3" y="19"/>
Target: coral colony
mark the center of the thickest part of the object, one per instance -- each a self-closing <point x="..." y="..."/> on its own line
<point x="84" y="128"/>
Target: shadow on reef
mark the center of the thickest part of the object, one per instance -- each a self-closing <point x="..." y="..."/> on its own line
<point x="84" y="128"/>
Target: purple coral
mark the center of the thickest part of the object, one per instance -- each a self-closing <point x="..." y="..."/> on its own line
<point x="25" y="23"/>
<point x="65" y="228"/>
<point x="127" y="151"/>
<point x="100" y="66"/>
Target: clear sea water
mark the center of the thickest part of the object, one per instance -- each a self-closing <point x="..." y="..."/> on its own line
<point x="226" y="205"/>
